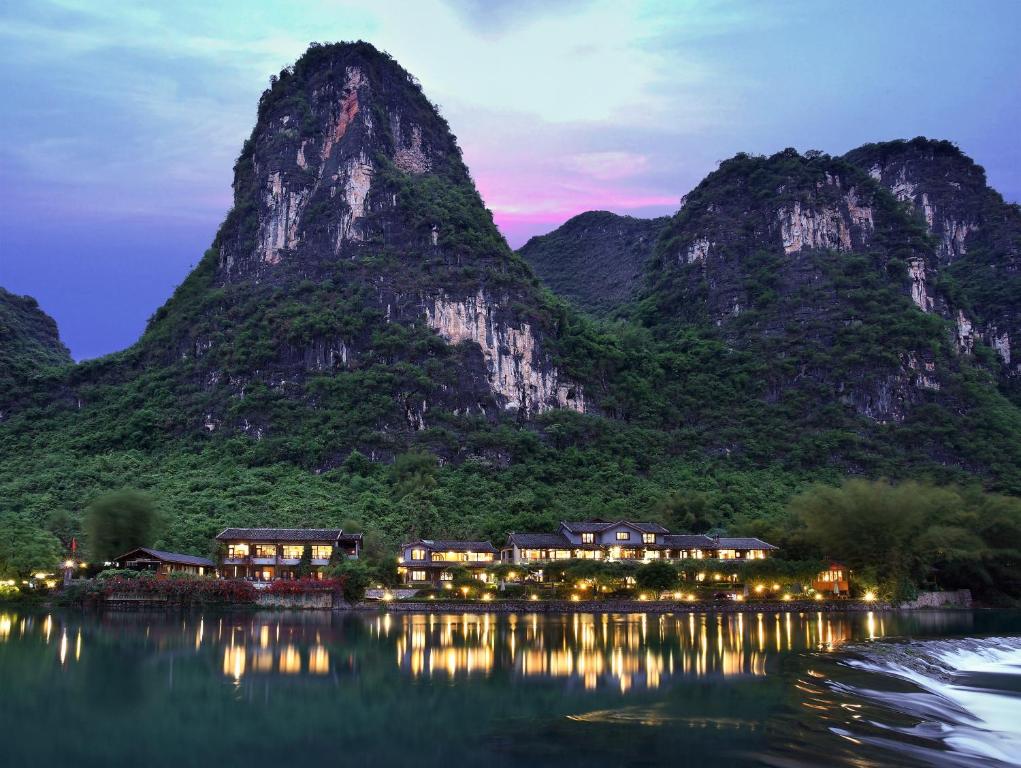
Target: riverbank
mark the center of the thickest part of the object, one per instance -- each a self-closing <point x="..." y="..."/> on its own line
<point x="618" y="606"/>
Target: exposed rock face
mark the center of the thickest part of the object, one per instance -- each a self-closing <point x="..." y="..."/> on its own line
<point x="351" y="205"/>
<point x="308" y="173"/>
<point x="596" y="260"/>
<point x="517" y="371"/>
<point x="760" y="252"/>
<point x="978" y="238"/>
<point x="919" y="287"/>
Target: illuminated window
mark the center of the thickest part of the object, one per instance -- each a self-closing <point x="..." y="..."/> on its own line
<point x="293" y="551"/>
<point x="648" y="538"/>
<point x="322" y="552"/>
<point x="588" y="538"/>
<point x="623" y="536"/>
<point x="445" y="576"/>
<point x="418" y="554"/>
<point x="728" y="554"/>
<point x="420" y="575"/>
<point x="237" y="551"/>
<point x="265" y="550"/>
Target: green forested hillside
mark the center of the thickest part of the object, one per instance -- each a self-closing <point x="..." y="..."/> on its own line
<point x="360" y="347"/>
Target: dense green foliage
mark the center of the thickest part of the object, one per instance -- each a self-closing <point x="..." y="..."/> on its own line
<point x="30" y="349"/>
<point x="596" y="260"/>
<point x="912" y="535"/>
<point x="118" y="522"/>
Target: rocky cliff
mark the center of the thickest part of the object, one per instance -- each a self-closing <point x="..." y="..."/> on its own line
<point x="596" y="260"/>
<point x="975" y="279"/>
<point x="811" y="264"/>
<point x="358" y="249"/>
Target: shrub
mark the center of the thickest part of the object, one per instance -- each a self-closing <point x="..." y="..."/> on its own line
<point x="9" y="592"/>
<point x="184" y="591"/>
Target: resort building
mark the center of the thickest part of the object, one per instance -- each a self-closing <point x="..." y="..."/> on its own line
<point x="265" y="554"/>
<point x="165" y="563"/>
<point x="626" y="540"/>
<point x="834" y="580"/>
<point x="432" y="561"/>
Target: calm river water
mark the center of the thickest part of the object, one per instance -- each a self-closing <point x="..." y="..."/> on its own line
<point x="255" y="689"/>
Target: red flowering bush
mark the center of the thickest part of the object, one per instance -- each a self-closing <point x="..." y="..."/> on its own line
<point x="305" y="586"/>
<point x="183" y="590"/>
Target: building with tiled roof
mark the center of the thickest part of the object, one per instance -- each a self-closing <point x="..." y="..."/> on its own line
<point x="165" y="563"/>
<point x="625" y="540"/>
<point x="266" y="554"/>
<point x="433" y="561"/>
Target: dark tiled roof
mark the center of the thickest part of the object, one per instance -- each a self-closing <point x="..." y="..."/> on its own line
<point x="168" y="557"/>
<point x="540" y="541"/>
<point x="595" y="526"/>
<point x="456" y="546"/>
<point x="586" y="526"/>
<point x="281" y="534"/>
<point x="742" y="543"/>
<point x="647" y="527"/>
<point x="688" y="541"/>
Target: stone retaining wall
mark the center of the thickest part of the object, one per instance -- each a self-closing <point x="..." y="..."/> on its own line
<point x="960" y="598"/>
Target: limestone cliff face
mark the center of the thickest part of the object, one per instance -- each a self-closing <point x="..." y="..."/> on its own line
<point x="776" y="254"/>
<point x="308" y="180"/>
<point x="516" y="368"/>
<point x="977" y="238"/>
<point x="357" y="241"/>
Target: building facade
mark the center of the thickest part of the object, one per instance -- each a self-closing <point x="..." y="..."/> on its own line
<point x="626" y="540"/>
<point x="265" y="554"/>
<point x="431" y="561"/>
<point x="164" y="564"/>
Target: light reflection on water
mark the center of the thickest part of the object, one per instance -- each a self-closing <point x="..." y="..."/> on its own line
<point x="543" y="690"/>
<point x="621" y="651"/>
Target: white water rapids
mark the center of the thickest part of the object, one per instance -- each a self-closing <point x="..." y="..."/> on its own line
<point x="965" y="696"/>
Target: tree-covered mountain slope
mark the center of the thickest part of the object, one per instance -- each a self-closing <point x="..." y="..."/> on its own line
<point x="596" y="260"/>
<point x="812" y="268"/>
<point x="29" y="347"/>
<point x="976" y="277"/>
<point x="360" y="346"/>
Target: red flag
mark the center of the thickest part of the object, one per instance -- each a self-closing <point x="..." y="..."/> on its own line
<point x="74" y="545"/>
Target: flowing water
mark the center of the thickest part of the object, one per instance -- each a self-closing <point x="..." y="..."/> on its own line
<point x="251" y="689"/>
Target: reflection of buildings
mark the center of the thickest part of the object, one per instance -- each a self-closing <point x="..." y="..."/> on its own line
<point x="592" y="651"/>
<point x="596" y="650"/>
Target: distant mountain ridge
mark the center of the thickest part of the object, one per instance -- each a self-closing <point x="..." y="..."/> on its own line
<point x="596" y="259"/>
